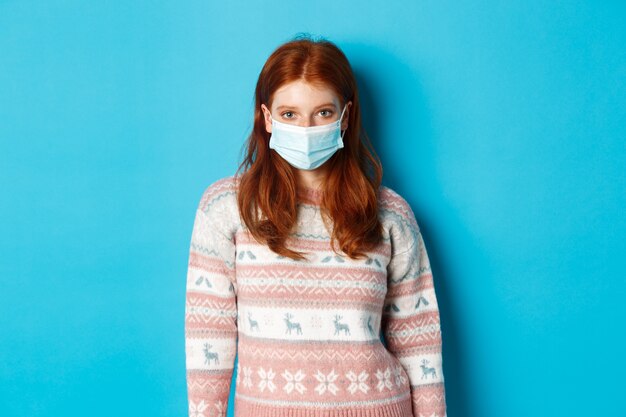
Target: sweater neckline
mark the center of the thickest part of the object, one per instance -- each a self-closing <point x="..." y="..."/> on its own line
<point x="310" y="195"/>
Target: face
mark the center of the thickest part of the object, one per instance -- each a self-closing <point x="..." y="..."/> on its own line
<point x="302" y="104"/>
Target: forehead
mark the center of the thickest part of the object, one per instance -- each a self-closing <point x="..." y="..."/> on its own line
<point x="302" y="94"/>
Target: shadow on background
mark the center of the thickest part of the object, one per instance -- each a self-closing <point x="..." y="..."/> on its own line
<point x="381" y="96"/>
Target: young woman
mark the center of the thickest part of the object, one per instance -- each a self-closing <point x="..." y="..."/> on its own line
<point x="298" y="263"/>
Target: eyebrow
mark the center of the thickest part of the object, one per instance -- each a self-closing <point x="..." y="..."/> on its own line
<point x="295" y="107"/>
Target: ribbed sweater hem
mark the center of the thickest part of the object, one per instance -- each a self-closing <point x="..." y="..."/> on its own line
<point x="244" y="408"/>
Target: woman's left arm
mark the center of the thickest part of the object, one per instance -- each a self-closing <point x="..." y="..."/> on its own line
<point x="410" y="321"/>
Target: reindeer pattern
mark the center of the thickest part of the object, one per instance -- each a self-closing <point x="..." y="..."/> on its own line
<point x="336" y="326"/>
<point x="253" y="323"/>
<point x="208" y="355"/>
<point x="292" y="325"/>
<point x="339" y="327"/>
<point x="427" y="370"/>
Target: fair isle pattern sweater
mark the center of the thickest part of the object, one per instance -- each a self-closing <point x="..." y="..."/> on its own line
<point x="307" y="333"/>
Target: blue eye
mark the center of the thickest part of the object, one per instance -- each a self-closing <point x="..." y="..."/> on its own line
<point x="326" y="113"/>
<point x="287" y="114"/>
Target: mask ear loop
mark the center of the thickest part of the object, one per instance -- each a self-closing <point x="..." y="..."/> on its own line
<point x="341" y="119"/>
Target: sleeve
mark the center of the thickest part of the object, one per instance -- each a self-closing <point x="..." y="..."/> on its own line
<point x="410" y="321"/>
<point x="210" y="313"/>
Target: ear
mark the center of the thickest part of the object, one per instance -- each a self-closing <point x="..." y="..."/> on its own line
<point x="268" y="118"/>
<point x="346" y="116"/>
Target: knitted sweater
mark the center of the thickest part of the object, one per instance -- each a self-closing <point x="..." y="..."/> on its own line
<point x="307" y="333"/>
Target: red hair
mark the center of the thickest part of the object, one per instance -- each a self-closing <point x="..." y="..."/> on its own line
<point x="349" y="191"/>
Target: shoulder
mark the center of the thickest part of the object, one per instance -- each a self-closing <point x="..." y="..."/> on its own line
<point x="220" y="194"/>
<point x="392" y="204"/>
<point x="219" y="203"/>
<point x="390" y="200"/>
<point x="397" y="218"/>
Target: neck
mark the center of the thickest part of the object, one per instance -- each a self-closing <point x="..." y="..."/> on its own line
<point x="309" y="195"/>
<point x="311" y="179"/>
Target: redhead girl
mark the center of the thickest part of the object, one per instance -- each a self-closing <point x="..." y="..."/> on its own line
<point x="302" y="260"/>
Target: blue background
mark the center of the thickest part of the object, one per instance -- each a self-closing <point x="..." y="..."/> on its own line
<point x="502" y="123"/>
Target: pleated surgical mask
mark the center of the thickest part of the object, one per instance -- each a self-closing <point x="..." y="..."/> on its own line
<point x="306" y="147"/>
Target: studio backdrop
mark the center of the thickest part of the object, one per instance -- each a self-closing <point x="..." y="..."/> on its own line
<point x="501" y="123"/>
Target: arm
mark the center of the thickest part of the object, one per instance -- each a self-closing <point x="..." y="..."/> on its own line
<point x="210" y="313"/>
<point x="410" y="320"/>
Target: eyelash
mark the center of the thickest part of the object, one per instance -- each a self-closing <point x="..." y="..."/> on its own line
<point x="330" y="112"/>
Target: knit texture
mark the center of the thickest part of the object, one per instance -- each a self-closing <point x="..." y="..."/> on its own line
<point x="307" y="333"/>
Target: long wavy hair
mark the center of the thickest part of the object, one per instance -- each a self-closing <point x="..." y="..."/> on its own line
<point x="267" y="190"/>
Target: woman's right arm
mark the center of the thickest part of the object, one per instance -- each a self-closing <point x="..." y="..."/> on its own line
<point x="210" y="308"/>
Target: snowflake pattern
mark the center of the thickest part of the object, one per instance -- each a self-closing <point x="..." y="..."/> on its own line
<point x="268" y="321"/>
<point x="221" y="409"/>
<point x="357" y="382"/>
<point x="247" y="380"/>
<point x="294" y="381"/>
<point x="316" y="322"/>
<point x="400" y="378"/>
<point x="326" y="382"/>
<point x="266" y="379"/>
<point x="197" y="409"/>
<point x="384" y="379"/>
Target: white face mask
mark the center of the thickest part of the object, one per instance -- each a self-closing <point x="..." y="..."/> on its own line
<point x="306" y="147"/>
